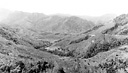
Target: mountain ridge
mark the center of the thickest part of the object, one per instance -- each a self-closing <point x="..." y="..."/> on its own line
<point x="39" y="20"/>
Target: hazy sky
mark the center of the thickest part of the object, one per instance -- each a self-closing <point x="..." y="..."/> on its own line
<point x="74" y="7"/>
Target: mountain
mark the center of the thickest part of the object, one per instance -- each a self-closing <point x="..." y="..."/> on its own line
<point x="53" y="23"/>
<point x="100" y="19"/>
<point x="39" y="43"/>
<point x="100" y="51"/>
<point x="121" y="25"/>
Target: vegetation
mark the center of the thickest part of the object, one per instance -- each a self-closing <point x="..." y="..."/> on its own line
<point x="57" y="44"/>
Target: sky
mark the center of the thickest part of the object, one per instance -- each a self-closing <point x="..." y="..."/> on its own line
<point x="73" y="7"/>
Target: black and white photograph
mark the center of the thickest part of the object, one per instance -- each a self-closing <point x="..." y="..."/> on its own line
<point x="63" y="36"/>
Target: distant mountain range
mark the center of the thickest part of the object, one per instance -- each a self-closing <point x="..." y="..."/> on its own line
<point x="43" y="22"/>
<point x="100" y="19"/>
<point x="53" y="23"/>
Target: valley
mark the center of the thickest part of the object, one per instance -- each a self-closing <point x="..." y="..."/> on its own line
<point x="39" y="43"/>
